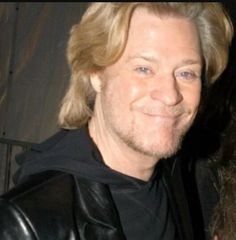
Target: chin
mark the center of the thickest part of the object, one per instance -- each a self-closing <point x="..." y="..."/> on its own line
<point x="167" y="145"/>
<point x="161" y="149"/>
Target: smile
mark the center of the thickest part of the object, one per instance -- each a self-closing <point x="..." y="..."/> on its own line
<point x="162" y="115"/>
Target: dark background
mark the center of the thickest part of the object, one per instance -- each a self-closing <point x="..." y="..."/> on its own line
<point x="34" y="73"/>
<point x="33" y="70"/>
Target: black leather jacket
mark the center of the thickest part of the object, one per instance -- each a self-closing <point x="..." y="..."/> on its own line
<point x="85" y="211"/>
<point x="58" y="205"/>
<point x="59" y="218"/>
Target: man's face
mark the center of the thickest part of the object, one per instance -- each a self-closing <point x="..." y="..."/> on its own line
<point x="150" y="96"/>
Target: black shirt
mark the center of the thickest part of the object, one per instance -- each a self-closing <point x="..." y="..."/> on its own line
<point x="144" y="210"/>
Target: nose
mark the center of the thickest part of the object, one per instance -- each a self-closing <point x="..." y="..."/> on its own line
<point x="167" y="91"/>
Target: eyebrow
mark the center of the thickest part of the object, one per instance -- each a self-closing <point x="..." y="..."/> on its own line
<point x="147" y="58"/>
<point x="190" y="62"/>
<point x="153" y="59"/>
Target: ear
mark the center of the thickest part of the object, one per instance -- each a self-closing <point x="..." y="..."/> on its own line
<point x="96" y="82"/>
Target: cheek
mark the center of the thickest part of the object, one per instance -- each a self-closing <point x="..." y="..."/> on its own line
<point x="136" y="90"/>
<point x="128" y="92"/>
<point x="193" y="99"/>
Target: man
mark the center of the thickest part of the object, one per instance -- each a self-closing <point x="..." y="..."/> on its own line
<point x="135" y="91"/>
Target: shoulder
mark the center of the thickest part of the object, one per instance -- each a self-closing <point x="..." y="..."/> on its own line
<point x="64" y="141"/>
<point x="36" y="203"/>
<point x="40" y="184"/>
<point x="54" y="142"/>
<point x="38" y="151"/>
<point x="45" y="187"/>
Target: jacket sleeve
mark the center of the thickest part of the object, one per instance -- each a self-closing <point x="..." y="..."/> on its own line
<point x="13" y="224"/>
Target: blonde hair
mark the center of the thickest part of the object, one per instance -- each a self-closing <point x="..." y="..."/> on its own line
<point x="101" y="36"/>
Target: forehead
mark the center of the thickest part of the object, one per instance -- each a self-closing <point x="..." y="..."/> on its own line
<point x="149" y="32"/>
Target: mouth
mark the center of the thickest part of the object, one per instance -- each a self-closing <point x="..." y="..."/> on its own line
<point x="163" y="115"/>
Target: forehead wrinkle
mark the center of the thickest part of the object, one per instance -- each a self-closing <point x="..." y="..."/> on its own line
<point x="142" y="56"/>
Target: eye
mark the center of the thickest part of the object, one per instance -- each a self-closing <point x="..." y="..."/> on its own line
<point x="187" y="75"/>
<point x="143" y="70"/>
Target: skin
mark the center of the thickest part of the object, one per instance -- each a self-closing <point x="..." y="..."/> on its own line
<point x="148" y="99"/>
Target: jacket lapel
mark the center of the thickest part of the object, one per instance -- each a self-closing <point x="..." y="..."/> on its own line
<point x="172" y="178"/>
<point x="95" y="212"/>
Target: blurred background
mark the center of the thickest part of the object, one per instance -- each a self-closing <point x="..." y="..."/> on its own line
<point x="34" y="75"/>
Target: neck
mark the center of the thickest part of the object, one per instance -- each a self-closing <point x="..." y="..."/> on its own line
<point x="118" y="155"/>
